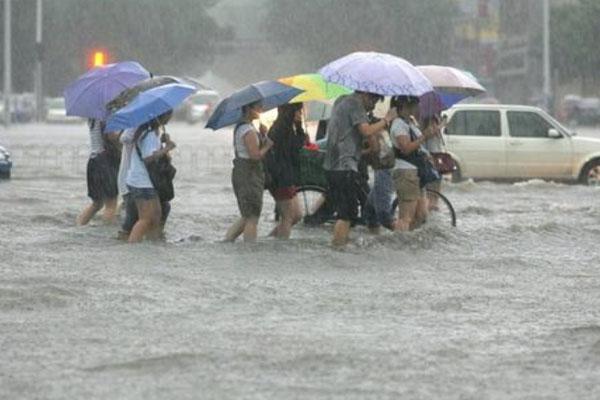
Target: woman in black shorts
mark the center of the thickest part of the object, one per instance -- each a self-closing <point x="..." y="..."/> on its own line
<point x="102" y="172"/>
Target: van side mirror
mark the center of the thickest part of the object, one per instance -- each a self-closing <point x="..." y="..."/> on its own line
<point x="554" y="134"/>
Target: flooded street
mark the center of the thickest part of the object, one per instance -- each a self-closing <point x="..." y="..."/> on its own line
<point x="506" y="305"/>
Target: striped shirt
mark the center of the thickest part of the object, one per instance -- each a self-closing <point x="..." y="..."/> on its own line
<point x="96" y="142"/>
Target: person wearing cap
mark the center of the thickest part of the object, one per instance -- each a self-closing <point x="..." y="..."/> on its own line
<point x="346" y="130"/>
<point x="408" y="141"/>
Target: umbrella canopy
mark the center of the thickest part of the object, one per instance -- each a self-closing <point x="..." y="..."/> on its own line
<point x="149" y="105"/>
<point x="88" y="95"/>
<point x="431" y="104"/>
<point x="451" y="80"/>
<point x="129" y="94"/>
<point x="378" y="73"/>
<point x="271" y="93"/>
<point x="315" y="88"/>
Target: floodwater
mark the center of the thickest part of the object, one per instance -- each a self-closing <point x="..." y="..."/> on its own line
<point x="506" y="305"/>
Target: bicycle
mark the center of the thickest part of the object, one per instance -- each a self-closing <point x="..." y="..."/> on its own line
<point x="312" y="191"/>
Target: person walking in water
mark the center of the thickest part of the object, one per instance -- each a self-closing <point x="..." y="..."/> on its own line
<point x="248" y="177"/>
<point x="147" y="148"/>
<point x="379" y="211"/>
<point x="408" y="142"/>
<point x="102" y="170"/>
<point x="348" y="126"/>
<point x="129" y="204"/>
<point x="282" y="164"/>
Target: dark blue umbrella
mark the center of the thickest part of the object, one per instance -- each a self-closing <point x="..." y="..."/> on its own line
<point x="271" y="93"/>
<point x="149" y="105"/>
<point x="88" y="95"/>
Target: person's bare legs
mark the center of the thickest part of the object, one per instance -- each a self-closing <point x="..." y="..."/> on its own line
<point x="421" y="212"/>
<point x="235" y="230"/>
<point x="341" y="231"/>
<point x="250" y="229"/>
<point x="88" y="212"/>
<point x="110" y="210"/>
<point x="290" y="215"/>
<point x="406" y="215"/>
<point x="148" y="221"/>
<point x="432" y="197"/>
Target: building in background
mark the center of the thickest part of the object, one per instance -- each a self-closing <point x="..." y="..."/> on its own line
<point x="476" y="39"/>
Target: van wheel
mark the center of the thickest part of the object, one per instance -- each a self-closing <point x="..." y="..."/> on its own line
<point x="590" y="175"/>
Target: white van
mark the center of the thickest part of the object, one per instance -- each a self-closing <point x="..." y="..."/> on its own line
<point x="496" y="141"/>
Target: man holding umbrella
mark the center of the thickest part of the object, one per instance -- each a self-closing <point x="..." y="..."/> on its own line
<point x="372" y="76"/>
<point x="348" y="125"/>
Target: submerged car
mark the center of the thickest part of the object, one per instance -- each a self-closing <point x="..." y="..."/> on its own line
<point x="5" y="163"/>
<point x="518" y="142"/>
<point x="56" y="111"/>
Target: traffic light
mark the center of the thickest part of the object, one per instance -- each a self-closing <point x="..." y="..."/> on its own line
<point x="97" y="58"/>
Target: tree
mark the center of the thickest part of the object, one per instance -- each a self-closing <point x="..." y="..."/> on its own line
<point x="168" y="37"/>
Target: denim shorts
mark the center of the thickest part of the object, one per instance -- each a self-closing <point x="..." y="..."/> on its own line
<point x="142" y="193"/>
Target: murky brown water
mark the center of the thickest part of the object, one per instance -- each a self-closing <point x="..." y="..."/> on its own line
<point x="507" y="305"/>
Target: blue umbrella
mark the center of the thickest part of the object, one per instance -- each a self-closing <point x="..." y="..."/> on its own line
<point x="378" y="73"/>
<point x="271" y="93"/>
<point x="149" y="105"/>
<point x="88" y="95"/>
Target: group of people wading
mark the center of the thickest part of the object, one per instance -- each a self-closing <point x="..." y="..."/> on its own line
<point x="395" y="146"/>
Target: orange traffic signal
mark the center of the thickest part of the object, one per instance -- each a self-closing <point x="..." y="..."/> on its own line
<point x="97" y="58"/>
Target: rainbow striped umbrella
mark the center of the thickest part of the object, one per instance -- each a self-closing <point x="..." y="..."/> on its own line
<point x="315" y="88"/>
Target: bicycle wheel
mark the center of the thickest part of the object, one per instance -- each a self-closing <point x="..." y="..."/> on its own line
<point x="313" y="204"/>
<point x="441" y="209"/>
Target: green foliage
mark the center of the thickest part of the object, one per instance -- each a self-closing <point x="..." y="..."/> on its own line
<point x="165" y="36"/>
<point x="575" y="29"/>
<point x="322" y="30"/>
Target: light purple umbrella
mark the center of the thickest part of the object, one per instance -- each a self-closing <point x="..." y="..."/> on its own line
<point x="379" y="73"/>
<point x="88" y="95"/>
<point x="451" y="80"/>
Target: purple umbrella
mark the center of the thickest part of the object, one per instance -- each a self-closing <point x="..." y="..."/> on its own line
<point x="89" y="94"/>
<point x="379" y="73"/>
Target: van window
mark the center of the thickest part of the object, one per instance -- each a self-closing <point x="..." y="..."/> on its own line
<point x="527" y="124"/>
<point x="474" y="123"/>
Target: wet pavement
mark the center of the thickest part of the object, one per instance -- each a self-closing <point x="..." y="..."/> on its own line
<point x="506" y="305"/>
